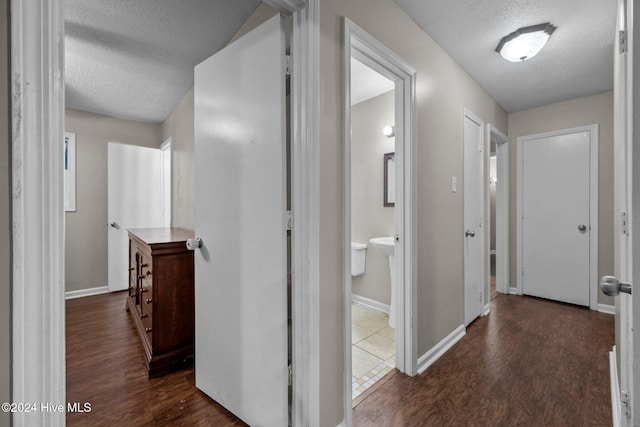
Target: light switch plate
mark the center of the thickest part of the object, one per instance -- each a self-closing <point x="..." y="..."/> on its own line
<point x="454" y="184"/>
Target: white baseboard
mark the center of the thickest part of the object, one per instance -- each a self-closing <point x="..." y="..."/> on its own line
<point x="441" y="348"/>
<point x="86" y="292"/>
<point x="513" y="291"/>
<point x="616" y="408"/>
<point x="367" y="302"/>
<point x="607" y="309"/>
<point x="487" y="309"/>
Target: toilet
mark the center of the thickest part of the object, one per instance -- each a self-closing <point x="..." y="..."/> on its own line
<point x="358" y="255"/>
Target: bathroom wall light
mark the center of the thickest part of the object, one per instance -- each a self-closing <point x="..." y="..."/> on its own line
<point x="525" y="43"/>
<point x="389" y="131"/>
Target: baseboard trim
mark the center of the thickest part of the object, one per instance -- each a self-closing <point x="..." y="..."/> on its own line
<point x="441" y="348"/>
<point x="487" y="309"/>
<point x="607" y="309"/>
<point x="367" y="302"/>
<point x="616" y="408"/>
<point x="86" y="292"/>
<point x="513" y="291"/>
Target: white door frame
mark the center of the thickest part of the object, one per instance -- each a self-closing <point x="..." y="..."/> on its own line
<point x="482" y="231"/>
<point x="593" y="205"/>
<point x="359" y="44"/>
<point x="38" y="323"/>
<point x="493" y="134"/>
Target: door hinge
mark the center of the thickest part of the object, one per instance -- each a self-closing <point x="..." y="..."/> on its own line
<point x="480" y="296"/>
<point x="289" y="220"/>
<point x="287" y="65"/>
<point x="624" y="229"/>
<point x="622" y="41"/>
<point x="626" y="403"/>
<point x="290" y="374"/>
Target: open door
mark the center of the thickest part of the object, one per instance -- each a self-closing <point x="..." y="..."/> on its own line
<point x="134" y="181"/>
<point x="241" y="356"/>
<point x="625" y="402"/>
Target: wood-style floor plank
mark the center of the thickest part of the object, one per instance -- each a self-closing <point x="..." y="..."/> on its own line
<point x="105" y="367"/>
<point x="530" y="362"/>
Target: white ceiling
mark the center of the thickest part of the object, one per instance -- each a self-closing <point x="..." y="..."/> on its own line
<point x="577" y="60"/>
<point x="366" y="83"/>
<point x="135" y="59"/>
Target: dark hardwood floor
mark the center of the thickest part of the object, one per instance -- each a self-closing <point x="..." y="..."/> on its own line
<point x="105" y="367"/>
<point x="531" y="362"/>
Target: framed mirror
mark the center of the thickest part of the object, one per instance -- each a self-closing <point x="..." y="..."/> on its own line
<point x="389" y="180"/>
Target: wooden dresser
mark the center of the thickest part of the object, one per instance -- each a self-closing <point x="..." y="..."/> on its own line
<point x="161" y="296"/>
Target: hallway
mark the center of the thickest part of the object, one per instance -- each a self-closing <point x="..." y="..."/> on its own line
<point x="530" y="362"/>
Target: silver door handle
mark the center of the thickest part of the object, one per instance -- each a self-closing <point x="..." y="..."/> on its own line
<point x="469" y="233"/>
<point x="582" y="228"/>
<point x="193" y="244"/>
<point x="114" y="225"/>
<point x="612" y="287"/>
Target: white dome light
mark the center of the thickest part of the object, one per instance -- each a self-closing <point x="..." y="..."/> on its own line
<point x="525" y="43"/>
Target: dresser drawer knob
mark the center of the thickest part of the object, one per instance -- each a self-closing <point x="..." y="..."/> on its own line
<point x="147" y="330"/>
<point x="143" y="290"/>
<point x="143" y="315"/>
<point x="148" y="300"/>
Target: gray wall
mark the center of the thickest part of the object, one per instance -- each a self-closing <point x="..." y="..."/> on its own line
<point x="86" y="229"/>
<point x="562" y="115"/>
<point x="443" y="90"/>
<point x="369" y="217"/>
<point x="5" y="215"/>
<point x="179" y="127"/>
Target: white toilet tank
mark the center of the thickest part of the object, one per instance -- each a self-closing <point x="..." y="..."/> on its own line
<point x="358" y="254"/>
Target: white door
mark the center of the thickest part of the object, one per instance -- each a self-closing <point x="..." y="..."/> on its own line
<point x="134" y="181"/>
<point x="474" y="238"/>
<point x="555" y="216"/>
<point x="240" y="204"/>
<point x="624" y="197"/>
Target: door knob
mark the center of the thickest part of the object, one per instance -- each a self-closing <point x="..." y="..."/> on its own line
<point x="469" y="233"/>
<point x="612" y="287"/>
<point x="193" y="244"/>
<point x="582" y="228"/>
<point x="114" y="225"/>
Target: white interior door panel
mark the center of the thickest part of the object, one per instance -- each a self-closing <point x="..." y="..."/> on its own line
<point x="240" y="204"/>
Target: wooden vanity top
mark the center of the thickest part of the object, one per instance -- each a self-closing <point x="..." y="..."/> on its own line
<point x="154" y="236"/>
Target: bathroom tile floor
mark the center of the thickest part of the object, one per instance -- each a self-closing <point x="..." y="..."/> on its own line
<point x="373" y="347"/>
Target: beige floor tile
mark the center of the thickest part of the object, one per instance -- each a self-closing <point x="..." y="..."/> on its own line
<point x="362" y="362"/>
<point x="378" y="346"/>
<point x="370" y="319"/>
<point x="388" y="332"/>
<point x="358" y="333"/>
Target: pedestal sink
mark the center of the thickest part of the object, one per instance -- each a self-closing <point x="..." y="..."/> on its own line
<point x="387" y="245"/>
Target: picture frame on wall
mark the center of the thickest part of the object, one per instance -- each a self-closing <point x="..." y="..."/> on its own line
<point x="389" y="180"/>
<point x="69" y="164"/>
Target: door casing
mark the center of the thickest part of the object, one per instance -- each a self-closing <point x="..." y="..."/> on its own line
<point x="362" y="46"/>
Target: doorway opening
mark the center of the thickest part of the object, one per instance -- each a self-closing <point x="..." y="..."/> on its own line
<point x="372" y="224"/>
<point x="498" y="206"/>
<point x="389" y="244"/>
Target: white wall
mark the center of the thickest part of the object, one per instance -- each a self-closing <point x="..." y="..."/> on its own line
<point x="562" y="115"/>
<point x="369" y="217"/>
<point x="86" y="229"/>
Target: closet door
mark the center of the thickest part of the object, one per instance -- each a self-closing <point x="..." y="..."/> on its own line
<point x="240" y="205"/>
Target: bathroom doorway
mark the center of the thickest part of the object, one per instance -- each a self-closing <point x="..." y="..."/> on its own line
<point x="379" y="218"/>
<point x="372" y="219"/>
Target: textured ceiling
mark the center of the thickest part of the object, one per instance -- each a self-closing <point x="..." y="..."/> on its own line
<point x="577" y="60"/>
<point x="135" y="59"/>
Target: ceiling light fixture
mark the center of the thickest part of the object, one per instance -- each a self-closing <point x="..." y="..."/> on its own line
<point x="525" y="43"/>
